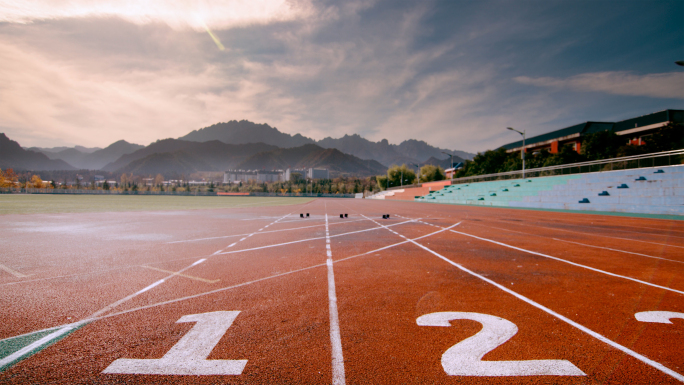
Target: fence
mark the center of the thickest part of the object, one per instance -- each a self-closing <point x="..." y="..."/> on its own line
<point x="184" y="193"/>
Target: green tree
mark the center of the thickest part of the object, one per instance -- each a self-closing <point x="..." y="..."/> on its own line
<point x="601" y="145"/>
<point x="430" y="173"/>
<point x="667" y="138"/>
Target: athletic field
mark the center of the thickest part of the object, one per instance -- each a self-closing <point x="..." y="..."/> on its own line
<point x="239" y="290"/>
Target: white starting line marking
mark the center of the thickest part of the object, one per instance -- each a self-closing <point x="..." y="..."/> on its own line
<point x="310" y="239"/>
<point x="569" y="262"/>
<point x="26" y="350"/>
<point x="566" y="261"/>
<point x="13" y="272"/>
<point x="606" y="236"/>
<point x="338" y="377"/>
<point x="578" y="243"/>
<point x="176" y="300"/>
<point x="183" y="275"/>
<point x="592" y="333"/>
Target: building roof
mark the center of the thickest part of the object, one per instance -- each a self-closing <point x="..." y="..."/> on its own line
<point x="578" y="130"/>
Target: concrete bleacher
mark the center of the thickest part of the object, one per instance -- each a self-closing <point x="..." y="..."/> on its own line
<point x="660" y="192"/>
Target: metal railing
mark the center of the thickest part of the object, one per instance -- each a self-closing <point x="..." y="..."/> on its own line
<point x="658" y="159"/>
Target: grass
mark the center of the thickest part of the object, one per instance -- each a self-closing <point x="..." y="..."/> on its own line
<point x="50" y="204"/>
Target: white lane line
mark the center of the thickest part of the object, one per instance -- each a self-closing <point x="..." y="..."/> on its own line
<point x="569" y="262"/>
<point x="35" y="345"/>
<point x="149" y="287"/>
<point x="183" y="275"/>
<point x="13" y="272"/>
<point x="605" y="236"/>
<point x="194" y="296"/>
<point x="198" y="262"/>
<point x="262" y="232"/>
<point x="338" y="377"/>
<point x="309" y="239"/>
<point x="592" y="333"/>
<point x="620" y="251"/>
<point x="578" y="243"/>
<point x="185" y="259"/>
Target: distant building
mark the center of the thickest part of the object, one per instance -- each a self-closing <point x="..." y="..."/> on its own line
<point x="236" y="176"/>
<point x="270" y="176"/>
<point x="635" y="130"/>
<point x="287" y="175"/>
<point x="317" y="173"/>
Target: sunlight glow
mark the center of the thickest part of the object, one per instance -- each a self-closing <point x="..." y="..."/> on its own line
<point x="213" y="14"/>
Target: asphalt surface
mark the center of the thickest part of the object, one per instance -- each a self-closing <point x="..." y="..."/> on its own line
<point x="434" y="294"/>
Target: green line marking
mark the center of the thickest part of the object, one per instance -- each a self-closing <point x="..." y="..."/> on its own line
<point x="13" y="345"/>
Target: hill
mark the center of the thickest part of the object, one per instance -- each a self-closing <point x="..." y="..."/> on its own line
<point x="244" y="131"/>
<point x="409" y="151"/>
<point x="169" y="164"/>
<point x="213" y="155"/>
<point x="13" y="156"/>
<point x="82" y="158"/>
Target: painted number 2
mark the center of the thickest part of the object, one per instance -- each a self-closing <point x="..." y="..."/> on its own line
<point x="465" y="358"/>
<point x="189" y="355"/>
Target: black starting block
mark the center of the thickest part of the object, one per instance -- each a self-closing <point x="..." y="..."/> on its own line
<point x="387" y="216"/>
<point x="384" y="216"/>
<point x="345" y="215"/>
<point x="341" y="215"/>
<point x="307" y="215"/>
<point x="301" y="215"/>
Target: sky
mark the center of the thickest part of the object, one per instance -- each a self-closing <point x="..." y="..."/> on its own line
<point x="452" y="73"/>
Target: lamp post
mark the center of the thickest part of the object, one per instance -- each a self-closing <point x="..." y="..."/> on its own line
<point x="418" y="175"/>
<point x="452" y="158"/>
<point x="522" y="152"/>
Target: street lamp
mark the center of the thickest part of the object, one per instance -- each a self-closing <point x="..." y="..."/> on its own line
<point x="452" y="158"/>
<point x="522" y="152"/>
<point x="417" y="177"/>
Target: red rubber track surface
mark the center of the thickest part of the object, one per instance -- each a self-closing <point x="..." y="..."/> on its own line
<point x="270" y="265"/>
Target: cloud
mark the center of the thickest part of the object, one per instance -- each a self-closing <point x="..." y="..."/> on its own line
<point x="178" y="14"/>
<point x="663" y="85"/>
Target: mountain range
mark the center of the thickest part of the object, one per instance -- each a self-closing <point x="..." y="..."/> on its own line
<point x="13" y="156"/>
<point x="91" y="160"/>
<point x="408" y="151"/>
<point x="235" y="144"/>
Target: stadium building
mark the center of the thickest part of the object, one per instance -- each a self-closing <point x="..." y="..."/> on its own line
<point x="635" y="130"/>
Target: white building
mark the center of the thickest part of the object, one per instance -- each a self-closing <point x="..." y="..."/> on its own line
<point x="236" y="176"/>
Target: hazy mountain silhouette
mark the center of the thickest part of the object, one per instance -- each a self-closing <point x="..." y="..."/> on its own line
<point x="85" y="150"/>
<point x="169" y="164"/>
<point x="213" y="155"/>
<point x="13" y="156"/>
<point x="92" y="160"/>
<point x="311" y="155"/>
<point x="244" y="131"/>
<point x="234" y="132"/>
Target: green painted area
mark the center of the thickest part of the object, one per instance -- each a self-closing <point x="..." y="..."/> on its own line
<point x="51" y="204"/>
<point x="13" y="344"/>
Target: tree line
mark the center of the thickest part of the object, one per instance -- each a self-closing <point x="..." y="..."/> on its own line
<point x="596" y="146"/>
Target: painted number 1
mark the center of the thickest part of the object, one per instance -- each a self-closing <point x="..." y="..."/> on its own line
<point x="465" y="358"/>
<point x="189" y="355"/>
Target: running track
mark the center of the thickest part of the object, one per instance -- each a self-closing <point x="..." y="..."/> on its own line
<point x="259" y="295"/>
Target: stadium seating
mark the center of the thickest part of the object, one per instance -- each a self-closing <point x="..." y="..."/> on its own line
<point x="647" y="190"/>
